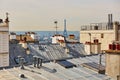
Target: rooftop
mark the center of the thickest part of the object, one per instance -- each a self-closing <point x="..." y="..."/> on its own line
<point x="53" y="70"/>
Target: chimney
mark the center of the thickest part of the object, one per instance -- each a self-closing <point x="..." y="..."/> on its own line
<point x="25" y="39"/>
<point x="111" y="18"/>
<point x="20" y="36"/>
<point x="110" y="21"/>
<point x="41" y="62"/>
<point x="112" y="57"/>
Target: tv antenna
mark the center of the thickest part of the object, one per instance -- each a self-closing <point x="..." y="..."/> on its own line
<point x="56" y="26"/>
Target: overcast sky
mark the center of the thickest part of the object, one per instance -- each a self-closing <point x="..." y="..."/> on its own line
<point x="28" y="15"/>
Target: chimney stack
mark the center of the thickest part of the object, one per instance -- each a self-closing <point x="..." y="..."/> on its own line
<point x="110" y="21"/>
<point x="20" y="36"/>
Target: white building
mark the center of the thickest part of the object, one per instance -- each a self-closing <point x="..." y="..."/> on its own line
<point x="33" y="35"/>
<point x="12" y="36"/>
<point x="4" y="42"/>
<point x="102" y="32"/>
<point x="56" y="38"/>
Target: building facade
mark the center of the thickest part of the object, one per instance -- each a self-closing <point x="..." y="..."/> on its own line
<point x="12" y="36"/>
<point x="4" y="42"/>
<point x="113" y="64"/>
<point x="101" y="32"/>
<point x="57" y="38"/>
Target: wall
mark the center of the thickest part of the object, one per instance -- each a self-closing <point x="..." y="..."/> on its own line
<point x="4" y="42"/>
<point x="95" y="48"/>
<point x="108" y="37"/>
<point x="87" y="49"/>
<point x="113" y="64"/>
<point x="12" y="37"/>
<point x="56" y="38"/>
<point x="34" y="36"/>
<point x="119" y="35"/>
<point x="4" y="59"/>
<point x="4" y="45"/>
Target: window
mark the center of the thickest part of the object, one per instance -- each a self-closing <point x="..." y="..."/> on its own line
<point x="102" y="35"/>
<point x="95" y="27"/>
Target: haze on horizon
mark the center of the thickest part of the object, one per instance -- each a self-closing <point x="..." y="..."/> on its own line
<point x="31" y="15"/>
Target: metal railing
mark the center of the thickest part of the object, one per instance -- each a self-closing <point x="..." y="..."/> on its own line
<point x="96" y="26"/>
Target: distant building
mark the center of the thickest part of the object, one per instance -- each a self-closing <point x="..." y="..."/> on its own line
<point x="23" y="44"/>
<point x="105" y="33"/>
<point x="71" y="39"/>
<point x="12" y="36"/>
<point x="58" y="39"/>
<point x="4" y="42"/>
<point x="71" y="36"/>
<point x="33" y="35"/>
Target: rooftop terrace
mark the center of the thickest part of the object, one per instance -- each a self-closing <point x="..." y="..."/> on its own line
<point x="96" y="26"/>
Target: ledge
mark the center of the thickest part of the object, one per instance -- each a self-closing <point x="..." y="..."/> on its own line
<point x="112" y="51"/>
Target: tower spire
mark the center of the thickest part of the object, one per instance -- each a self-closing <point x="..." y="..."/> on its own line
<point x="65" y="30"/>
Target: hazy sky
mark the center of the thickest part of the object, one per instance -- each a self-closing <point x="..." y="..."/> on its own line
<point x="41" y="14"/>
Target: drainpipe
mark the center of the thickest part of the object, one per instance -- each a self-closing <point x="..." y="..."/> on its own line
<point x="90" y="42"/>
<point x="100" y="61"/>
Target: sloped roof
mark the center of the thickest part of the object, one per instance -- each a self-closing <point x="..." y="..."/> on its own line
<point x="52" y="70"/>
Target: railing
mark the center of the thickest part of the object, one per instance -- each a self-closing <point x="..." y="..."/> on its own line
<point x="96" y="26"/>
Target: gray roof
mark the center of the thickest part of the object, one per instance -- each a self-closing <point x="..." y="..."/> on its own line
<point x="76" y="49"/>
<point x="49" y="52"/>
<point x="46" y="71"/>
<point x="52" y="70"/>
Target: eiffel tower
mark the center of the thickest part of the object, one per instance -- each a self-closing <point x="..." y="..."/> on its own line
<point x="65" y="30"/>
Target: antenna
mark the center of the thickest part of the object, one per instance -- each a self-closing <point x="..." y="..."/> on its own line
<point x="7" y="19"/>
<point x="56" y="26"/>
<point x="7" y="14"/>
